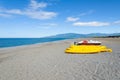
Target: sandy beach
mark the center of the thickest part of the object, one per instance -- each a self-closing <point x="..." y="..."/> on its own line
<point x="47" y="61"/>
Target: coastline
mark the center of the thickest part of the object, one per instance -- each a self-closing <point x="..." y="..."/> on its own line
<point x="17" y="42"/>
<point x="76" y="39"/>
<point x="47" y="61"/>
<point x="26" y="45"/>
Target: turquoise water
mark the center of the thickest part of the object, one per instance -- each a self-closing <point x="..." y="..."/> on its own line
<point x="11" y="42"/>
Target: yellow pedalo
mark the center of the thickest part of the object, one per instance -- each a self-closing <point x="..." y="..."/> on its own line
<point x="87" y="47"/>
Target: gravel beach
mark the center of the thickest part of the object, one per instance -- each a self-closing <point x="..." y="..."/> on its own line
<point x="48" y="61"/>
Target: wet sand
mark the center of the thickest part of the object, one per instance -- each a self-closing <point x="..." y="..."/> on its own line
<point x="48" y="61"/>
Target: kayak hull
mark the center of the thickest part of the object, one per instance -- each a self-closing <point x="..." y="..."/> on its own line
<point x="87" y="49"/>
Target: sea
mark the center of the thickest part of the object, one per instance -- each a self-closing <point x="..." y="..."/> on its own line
<point x="12" y="42"/>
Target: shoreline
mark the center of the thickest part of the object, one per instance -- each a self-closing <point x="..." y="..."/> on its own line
<point x="25" y="45"/>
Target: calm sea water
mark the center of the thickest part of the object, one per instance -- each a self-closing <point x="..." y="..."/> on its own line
<point x="11" y="42"/>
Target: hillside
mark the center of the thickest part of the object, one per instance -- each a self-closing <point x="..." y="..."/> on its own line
<point x="75" y="35"/>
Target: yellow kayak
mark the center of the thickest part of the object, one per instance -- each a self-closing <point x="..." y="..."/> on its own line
<point x="87" y="49"/>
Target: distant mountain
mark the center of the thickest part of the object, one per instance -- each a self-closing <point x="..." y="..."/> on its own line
<point x="115" y="34"/>
<point x="97" y="34"/>
<point x="75" y="35"/>
<point x="69" y="35"/>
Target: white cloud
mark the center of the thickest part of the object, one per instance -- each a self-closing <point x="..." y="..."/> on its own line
<point x="117" y="22"/>
<point x="35" y="5"/>
<point x="33" y="11"/>
<point x="48" y="24"/>
<point x="52" y="24"/>
<point x="72" y="19"/>
<point x="94" y="23"/>
<point x="86" y="13"/>
<point x="13" y="11"/>
<point x="40" y="14"/>
<point x="5" y="15"/>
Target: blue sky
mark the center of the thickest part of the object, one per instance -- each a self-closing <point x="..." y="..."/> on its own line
<point x="39" y="18"/>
